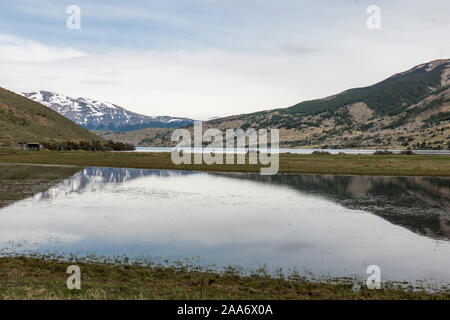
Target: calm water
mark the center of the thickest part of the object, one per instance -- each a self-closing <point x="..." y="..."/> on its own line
<point x="330" y="225"/>
<point x="283" y="150"/>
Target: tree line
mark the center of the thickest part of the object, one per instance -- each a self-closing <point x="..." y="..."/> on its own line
<point x="108" y="145"/>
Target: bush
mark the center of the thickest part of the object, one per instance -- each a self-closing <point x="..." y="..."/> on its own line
<point x="89" y="146"/>
<point x="118" y="146"/>
<point x="383" y="153"/>
<point x="70" y="145"/>
<point x="407" y="152"/>
<point x="51" y="145"/>
<point x="85" y="146"/>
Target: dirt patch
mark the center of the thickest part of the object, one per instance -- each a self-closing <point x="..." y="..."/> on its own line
<point x="360" y="112"/>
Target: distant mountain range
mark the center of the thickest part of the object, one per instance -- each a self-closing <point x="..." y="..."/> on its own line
<point x="23" y="120"/>
<point x="410" y="109"/>
<point x="98" y="115"/>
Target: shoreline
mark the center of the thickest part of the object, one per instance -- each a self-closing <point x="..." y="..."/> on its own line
<point x="46" y="165"/>
<point x="294" y="150"/>
<point x="41" y="278"/>
<point x="336" y="164"/>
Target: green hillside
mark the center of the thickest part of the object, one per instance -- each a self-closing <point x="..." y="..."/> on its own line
<point x="388" y="97"/>
<point x="411" y="109"/>
<point x="24" y="120"/>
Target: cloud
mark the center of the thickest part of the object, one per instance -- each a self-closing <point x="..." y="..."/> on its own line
<point x="200" y="58"/>
<point x="208" y="83"/>
<point x="17" y="49"/>
<point x="292" y="48"/>
<point x="101" y="82"/>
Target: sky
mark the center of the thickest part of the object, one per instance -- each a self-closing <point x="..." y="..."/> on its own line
<point x="209" y="58"/>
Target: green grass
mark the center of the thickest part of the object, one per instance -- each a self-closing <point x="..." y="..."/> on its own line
<point x="20" y="182"/>
<point x="38" y="278"/>
<point x="393" y="165"/>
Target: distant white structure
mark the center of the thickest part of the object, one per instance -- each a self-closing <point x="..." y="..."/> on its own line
<point x="33" y="146"/>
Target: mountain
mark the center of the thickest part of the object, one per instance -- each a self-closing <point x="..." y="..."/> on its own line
<point x="410" y="109"/>
<point x="22" y="119"/>
<point x="98" y="115"/>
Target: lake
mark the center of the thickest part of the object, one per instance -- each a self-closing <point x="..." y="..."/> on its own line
<point x="323" y="224"/>
<point x="282" y="150"/>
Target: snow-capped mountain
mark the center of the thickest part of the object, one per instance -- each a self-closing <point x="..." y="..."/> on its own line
<point x="98" y="115"/>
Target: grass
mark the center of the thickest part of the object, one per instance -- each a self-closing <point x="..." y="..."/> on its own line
<point x="22" y="119"/>
<point x="38" y="278"/>
<point x="389" y="165"/>
<point x="20" y="182"/>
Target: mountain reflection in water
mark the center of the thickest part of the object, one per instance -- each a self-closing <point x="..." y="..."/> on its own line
<point x="420" y="204"/>
<point x="334" y="225"/>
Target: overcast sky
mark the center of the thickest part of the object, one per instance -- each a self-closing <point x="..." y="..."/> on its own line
<point x="206" y="58"/>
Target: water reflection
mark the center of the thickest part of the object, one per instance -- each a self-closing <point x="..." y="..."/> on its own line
<point x="421" y="204"/>
<point x="324" y="224"/>
<point x="97" y="178"/>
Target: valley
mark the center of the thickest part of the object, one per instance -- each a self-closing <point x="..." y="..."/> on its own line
<point x="408" y="110"/>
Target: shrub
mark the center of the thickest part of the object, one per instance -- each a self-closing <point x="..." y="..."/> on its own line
<point x="70" y="145"/>
<point x="407" y="152"/>
<point x="118" y="146"/>
<point x="383" y="153"/>
<point x="89" y="146"/>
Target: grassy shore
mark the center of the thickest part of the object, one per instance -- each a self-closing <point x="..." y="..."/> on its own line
<point x="20" y="182"/>
<point x="37" y="278"/>
<point x="393" y="165"/>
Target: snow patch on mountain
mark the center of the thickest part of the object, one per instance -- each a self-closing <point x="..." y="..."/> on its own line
<point x="98" y="115"/>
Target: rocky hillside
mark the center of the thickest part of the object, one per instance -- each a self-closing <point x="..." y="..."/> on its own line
<point x="98" y="115"/>
<point x="410" y="109"/>
<point x="22" y="119"/>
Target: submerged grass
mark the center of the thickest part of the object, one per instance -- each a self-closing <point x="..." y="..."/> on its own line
<point x="392" y="165"/>
<point x="39" y="278"/>
<point x="20" y="182"/>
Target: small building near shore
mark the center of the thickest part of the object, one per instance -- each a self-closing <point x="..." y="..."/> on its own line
<point x="33" y="146"/>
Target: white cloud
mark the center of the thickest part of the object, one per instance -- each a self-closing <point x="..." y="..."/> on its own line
<point x="211" y="83"/>
<point x="17" y="49"/>
<point x="207" y="82"/>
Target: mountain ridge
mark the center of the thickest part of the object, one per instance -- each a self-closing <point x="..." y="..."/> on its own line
<point x="410" y="109"/>
<point x="99" y="115"/>
<point x="22" y="119"/>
